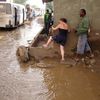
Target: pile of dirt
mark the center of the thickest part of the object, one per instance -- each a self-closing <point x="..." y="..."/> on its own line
<point x="38" y="52"/>
<point x="95" y="43"/>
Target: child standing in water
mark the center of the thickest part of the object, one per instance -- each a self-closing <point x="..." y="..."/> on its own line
<point x="61" y="37"/>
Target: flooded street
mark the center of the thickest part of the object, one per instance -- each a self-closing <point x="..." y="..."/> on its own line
<point x="55" y="82"/>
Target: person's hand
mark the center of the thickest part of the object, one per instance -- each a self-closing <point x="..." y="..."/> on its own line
<point x="52" y="27"/>
<point x="50" y="30"/>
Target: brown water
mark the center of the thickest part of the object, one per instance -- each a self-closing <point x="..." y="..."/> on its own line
<point x="55" y="81"/>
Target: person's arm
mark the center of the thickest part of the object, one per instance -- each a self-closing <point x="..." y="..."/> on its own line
<point x="55" y="28"/>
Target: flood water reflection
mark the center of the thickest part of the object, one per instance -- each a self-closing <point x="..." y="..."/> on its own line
<point x="27" y="82"/>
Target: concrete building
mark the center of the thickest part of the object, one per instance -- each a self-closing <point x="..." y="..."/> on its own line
<point x="70" y="10"/>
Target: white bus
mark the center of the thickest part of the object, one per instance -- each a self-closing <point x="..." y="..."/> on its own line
<point x="11" y="15"/>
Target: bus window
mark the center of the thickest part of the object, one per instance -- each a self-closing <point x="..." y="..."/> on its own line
<point x="2" y="8"/>
<point x="5" y="8"/>
<point x="8" y="9"/>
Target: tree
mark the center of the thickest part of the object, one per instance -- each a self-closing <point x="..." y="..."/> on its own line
<point x="20" y="1"/>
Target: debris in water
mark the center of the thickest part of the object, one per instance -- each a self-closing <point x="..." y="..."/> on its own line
<point x="98" y="34"/>
<point x="97" y="52"/>
<point x="41" y="65"/>
<point x="92" y="61"/>
<point x="69" y="63"/>
<point x="90" y="66"/>
<point x="92" y="70"/>
<point x="1" y="37"/>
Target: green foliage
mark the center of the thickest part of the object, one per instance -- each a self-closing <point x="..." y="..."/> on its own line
<point x="20" y="1"/>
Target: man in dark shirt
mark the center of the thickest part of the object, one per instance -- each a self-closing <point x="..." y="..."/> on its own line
<point x="47" y="20"/>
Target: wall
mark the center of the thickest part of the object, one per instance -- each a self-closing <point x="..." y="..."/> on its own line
<point x="70" y="10"/>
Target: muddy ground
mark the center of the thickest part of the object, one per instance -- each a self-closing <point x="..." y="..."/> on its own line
<point x="47" y="79"/>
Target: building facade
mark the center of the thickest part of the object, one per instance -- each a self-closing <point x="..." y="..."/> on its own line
<point x="70" y="9"/>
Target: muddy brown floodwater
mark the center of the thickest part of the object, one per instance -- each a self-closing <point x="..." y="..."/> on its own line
<point x="54" y="82"/>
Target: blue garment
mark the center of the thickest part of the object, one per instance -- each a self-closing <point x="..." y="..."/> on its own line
<point x="61" y="37"/>
<point x="82" y="44"/>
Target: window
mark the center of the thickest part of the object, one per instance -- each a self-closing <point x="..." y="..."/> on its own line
<point x="5" y="8"/>
<point x="8" y="9"/>
<point x="2" y="8"/>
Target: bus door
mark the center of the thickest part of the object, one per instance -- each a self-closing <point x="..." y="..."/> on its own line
<point x="16" y="16"/>
<point x="23" y="15"/>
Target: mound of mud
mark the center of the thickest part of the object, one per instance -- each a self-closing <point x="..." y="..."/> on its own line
<point x="38" y="53"/>
<point x="95" y="43"/>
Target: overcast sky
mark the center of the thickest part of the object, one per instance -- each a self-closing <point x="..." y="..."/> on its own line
<point x="36" y="2"/>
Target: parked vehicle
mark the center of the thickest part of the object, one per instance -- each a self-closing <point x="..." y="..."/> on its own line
<point x="11" y="14"/>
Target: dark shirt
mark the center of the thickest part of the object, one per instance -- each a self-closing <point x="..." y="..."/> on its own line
<point x="63" y="32"/>
<point x="47" y="17"/>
